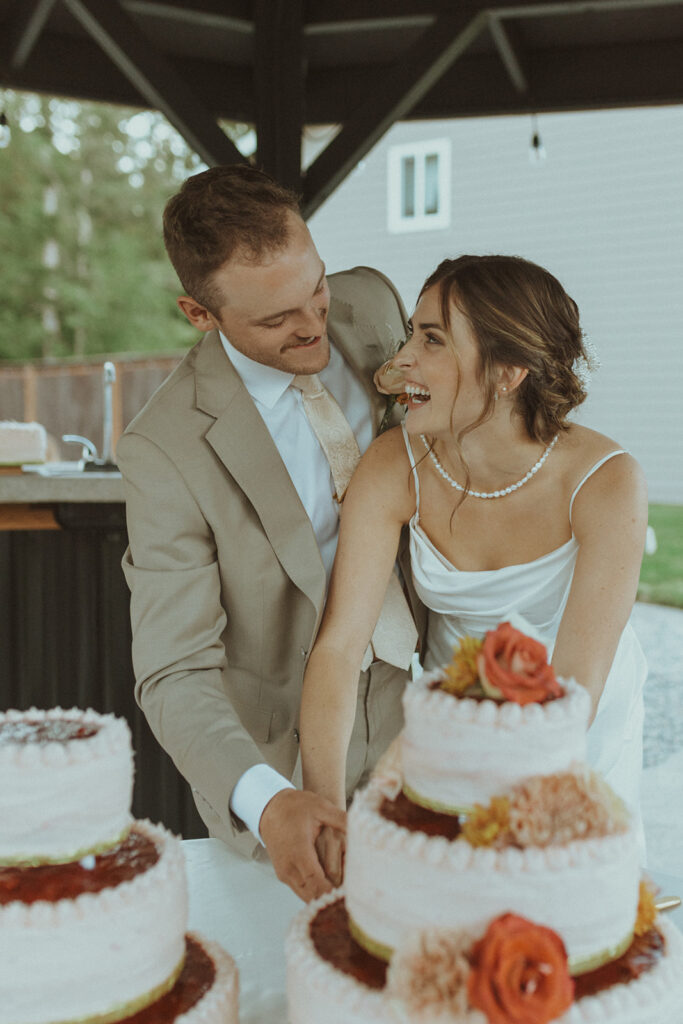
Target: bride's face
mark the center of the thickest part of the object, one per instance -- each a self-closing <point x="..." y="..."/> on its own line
<point x="438" y="363"/>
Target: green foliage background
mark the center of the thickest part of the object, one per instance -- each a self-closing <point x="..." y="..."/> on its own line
<point x="661" y="575"/>
<point x="86" y="184"/>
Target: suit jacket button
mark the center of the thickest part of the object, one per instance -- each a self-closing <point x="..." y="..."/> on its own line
<point x="296" y="735"/>
<point x="303" y="652"/>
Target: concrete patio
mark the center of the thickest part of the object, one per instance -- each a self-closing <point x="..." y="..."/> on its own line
<point x="660" y="631"/>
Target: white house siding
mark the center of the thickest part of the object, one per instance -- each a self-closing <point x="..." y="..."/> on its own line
<point x="603" y="212"/>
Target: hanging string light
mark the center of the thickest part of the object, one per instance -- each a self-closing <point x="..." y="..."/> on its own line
<point x="5" y="133"/>
<point x="537" y="152"/>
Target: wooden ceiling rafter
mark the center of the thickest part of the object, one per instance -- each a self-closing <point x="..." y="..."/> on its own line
<point x="25" y="27"/>
<point x="154" y="78"/>
<point x="282" y="64"/>
<point x="279" y="77"/>
<point x="510" y="52"/>
<point x="425" y="63"/>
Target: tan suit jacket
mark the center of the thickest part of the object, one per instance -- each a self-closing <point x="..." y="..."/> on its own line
<point x="227" y="584"/>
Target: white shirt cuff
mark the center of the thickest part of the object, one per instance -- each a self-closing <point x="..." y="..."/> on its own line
<point x="253" y="791"/>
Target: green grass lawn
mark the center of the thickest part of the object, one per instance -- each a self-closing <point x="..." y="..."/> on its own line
<point x="661" y="575"/>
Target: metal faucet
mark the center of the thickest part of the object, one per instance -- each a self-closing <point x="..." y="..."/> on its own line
<point x="108" y="378"/>
<point x="90" y="461"/>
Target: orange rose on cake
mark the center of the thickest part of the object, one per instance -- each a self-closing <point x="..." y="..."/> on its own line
<point x="519" y="973"/>
<point x="514" y="667"/>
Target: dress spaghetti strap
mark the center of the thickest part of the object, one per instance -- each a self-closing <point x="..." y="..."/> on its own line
<point x="413" y="466"/>
<point x="589" y="474"/>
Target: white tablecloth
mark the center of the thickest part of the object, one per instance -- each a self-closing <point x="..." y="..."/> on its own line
<point x="242" y="905"/>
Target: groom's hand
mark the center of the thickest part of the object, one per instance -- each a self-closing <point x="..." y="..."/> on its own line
<point x="290" y="825"/>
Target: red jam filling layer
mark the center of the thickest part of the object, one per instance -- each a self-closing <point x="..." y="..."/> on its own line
<point x="333" y="941"/>
<point x="404" y="812"/>
<point x="196" y="978"/>
<point x="52" y="730"/>
<point x="641" y="956"/>
<point x="52" y="882"/>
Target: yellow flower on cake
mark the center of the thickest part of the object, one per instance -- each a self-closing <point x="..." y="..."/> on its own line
<point x="647" y="909"/>
<point x="488" y="826"/>
<point x="462" y="672"/>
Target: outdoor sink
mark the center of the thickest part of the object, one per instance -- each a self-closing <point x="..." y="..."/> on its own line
<point x="90" y="461"/>
<point x="55" y="469"/>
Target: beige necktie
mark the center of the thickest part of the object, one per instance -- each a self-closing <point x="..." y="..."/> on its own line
<point x="395" y="636"/>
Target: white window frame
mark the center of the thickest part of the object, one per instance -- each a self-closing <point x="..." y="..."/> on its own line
<point x="397" y="221"/>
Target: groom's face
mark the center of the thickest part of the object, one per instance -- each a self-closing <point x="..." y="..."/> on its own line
<point x="275" y="311"/>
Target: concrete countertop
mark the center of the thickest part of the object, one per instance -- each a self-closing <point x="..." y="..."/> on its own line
<point x="34" y="488"/>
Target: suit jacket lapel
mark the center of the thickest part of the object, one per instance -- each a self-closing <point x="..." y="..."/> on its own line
<point x="241" y="440"/>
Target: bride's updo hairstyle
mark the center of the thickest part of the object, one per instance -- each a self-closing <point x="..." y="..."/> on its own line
<point x="521" y="316"/>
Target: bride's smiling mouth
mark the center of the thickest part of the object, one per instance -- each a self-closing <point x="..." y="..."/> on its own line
<point x="414" y="395"/>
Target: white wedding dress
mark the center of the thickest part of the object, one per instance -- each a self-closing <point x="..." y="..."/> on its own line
<point x="463" y="603"/>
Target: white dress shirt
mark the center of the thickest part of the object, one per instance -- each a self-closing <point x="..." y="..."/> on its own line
<point x="280" y="407"/>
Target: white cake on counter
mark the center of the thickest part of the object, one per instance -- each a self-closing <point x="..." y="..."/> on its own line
<point x="93" y="908"/>
<point x="22" y="443"/>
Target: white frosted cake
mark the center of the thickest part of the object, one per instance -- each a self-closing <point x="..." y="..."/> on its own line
<point x="490" y="876"/>
<point x="93" y="915"/>
<point x="585" y="889"/>
<point x="443" y="740"/>
<point x="22" y="443"/>
<point x="59" y="800"/>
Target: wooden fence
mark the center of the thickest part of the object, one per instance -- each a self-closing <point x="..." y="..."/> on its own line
<point x="67" y="397"/>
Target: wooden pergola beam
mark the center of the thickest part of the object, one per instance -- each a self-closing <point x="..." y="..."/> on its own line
<point x="154" y="78"/>
<point x="606" y="75"/>
<point x="279" y="77"/>
<point x="220" y="14"/>
<point x="394" y="96"/>
<point x="25" y="27"/>
<point x="509" y="53"/>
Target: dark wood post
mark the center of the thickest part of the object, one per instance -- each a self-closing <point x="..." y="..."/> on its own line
<point x="279" y="76"/>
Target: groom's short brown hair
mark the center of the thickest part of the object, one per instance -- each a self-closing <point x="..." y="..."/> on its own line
<point x="229" y="210"/>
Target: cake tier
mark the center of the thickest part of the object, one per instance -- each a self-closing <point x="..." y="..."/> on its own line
<point x="97" y="940"/>
<point x="396" y="879"/>
<point x="325" y="980"/>
<point x="22" y="442"/>
<point x="206" y="992"/>
<point x="318" y="991"/>
<point x="66" y="781"/>
<point x="457" y="752"/>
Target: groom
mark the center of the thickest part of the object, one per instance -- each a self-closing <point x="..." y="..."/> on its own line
<point x="233" y="517"/>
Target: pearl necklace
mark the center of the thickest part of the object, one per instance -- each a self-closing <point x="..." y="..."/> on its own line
<point x="489" y="494"/>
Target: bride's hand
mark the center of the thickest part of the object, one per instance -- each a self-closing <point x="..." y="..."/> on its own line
<point x="330" y="846"/>
<point x="389" y="379"/>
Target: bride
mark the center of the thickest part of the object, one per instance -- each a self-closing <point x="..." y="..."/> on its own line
<point x="511" y="510"/>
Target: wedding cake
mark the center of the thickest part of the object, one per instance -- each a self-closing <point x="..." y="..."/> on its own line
<point x="490" y="876"/>
<point x="93" y="904"/>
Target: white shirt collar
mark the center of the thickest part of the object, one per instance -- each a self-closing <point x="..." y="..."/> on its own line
<point x="265" y="384"/>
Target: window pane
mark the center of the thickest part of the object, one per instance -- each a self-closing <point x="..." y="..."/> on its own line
<point x="408" y="187"/>
<point x="432" y="183"/>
